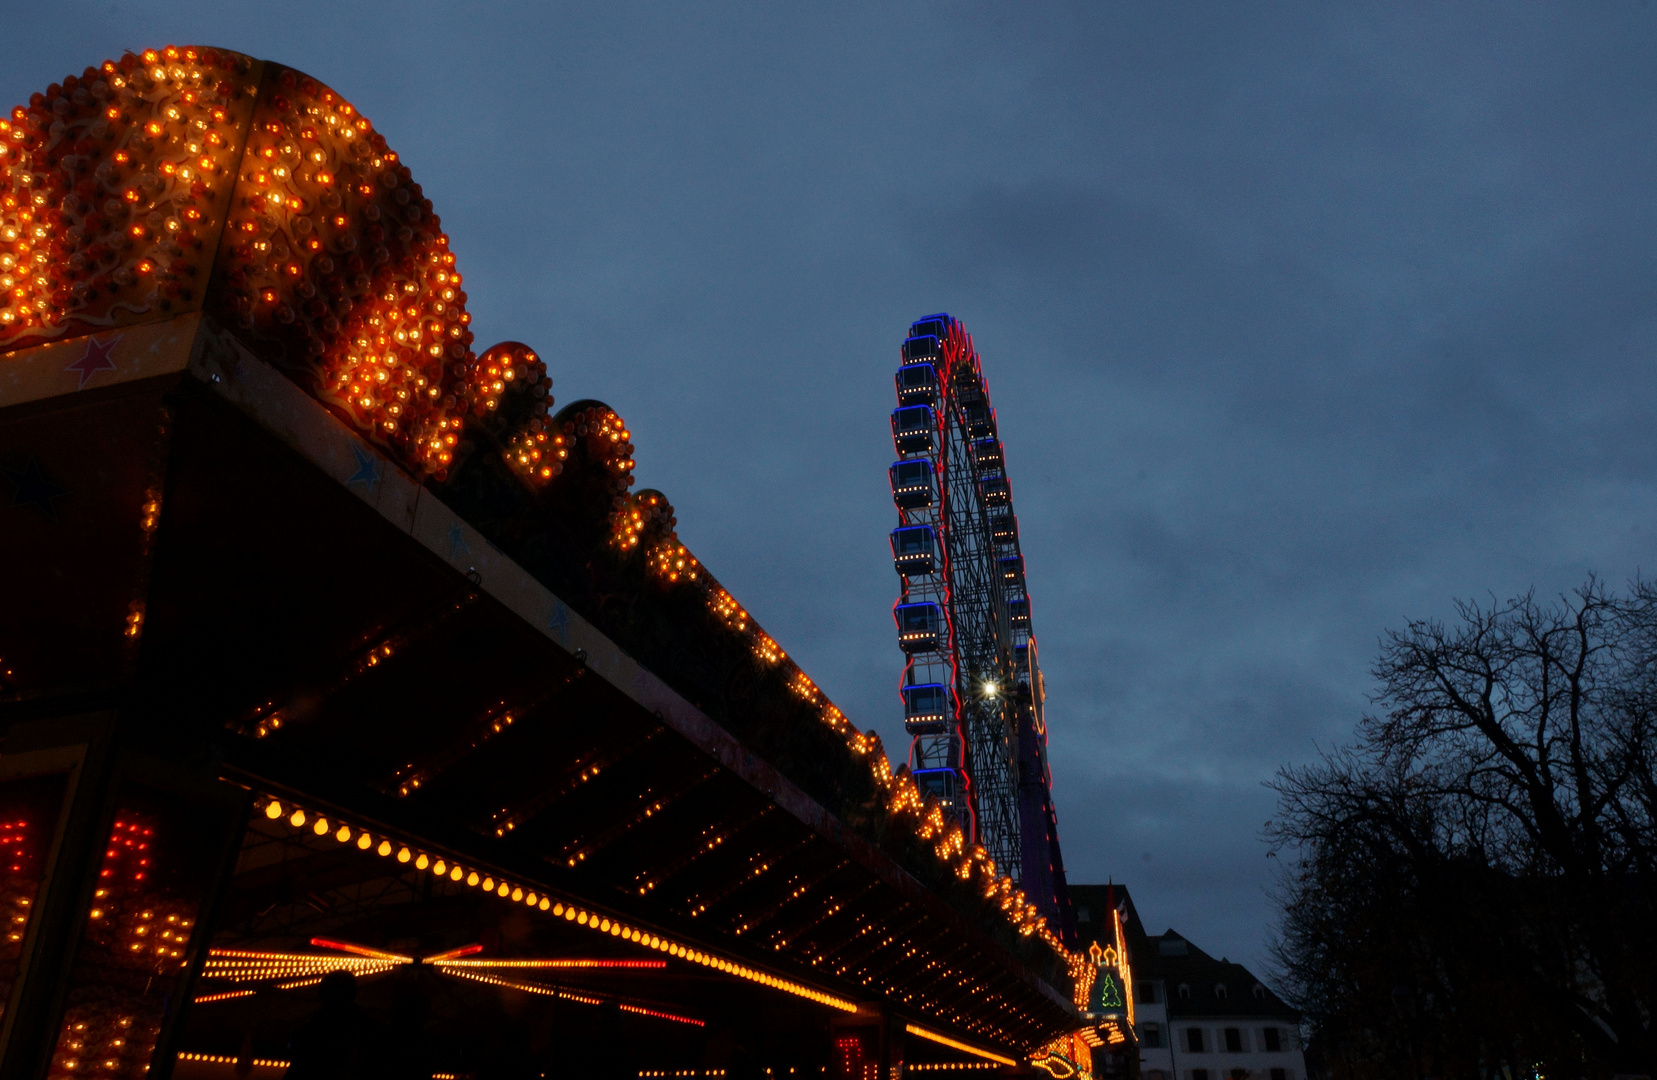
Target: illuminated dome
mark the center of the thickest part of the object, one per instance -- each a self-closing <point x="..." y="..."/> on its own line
<point x="191" y="179"/>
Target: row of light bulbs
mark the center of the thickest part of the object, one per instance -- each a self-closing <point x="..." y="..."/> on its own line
<point x="319" y="825"/>
<point x="669" y="558"/>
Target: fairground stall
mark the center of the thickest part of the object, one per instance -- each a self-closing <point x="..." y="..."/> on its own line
<point x="355" y="708"/>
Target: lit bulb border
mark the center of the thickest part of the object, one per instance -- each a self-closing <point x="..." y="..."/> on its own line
<point x="223" y="1059"/>
<point x="671" y="563"/>
<point x="320" y="825"/>
<point x="956" y="1044"/>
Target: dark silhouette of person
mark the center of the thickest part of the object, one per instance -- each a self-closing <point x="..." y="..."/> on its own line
<point x="330" y="1045"/>
<point x="406" y="1055"/>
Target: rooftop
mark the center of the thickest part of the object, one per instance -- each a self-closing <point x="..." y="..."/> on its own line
<point x="1217" y="988"/>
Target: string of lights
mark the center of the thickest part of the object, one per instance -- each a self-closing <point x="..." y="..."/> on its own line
<point x="956" y="1044"/>
<point x="656" y="964"/>
<point x="939" y="1066"/>
<point x="269" y="1063"/>
<point x="222" y="1059"/>
<point x="241" y="965"/>
<point x="344" y="833"/>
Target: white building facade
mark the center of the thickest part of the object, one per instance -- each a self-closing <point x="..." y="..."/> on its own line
<point x="1196" y="1018"/>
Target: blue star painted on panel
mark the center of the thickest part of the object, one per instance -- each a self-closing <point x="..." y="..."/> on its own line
<point x="368" y="468"/>
<point x="559" y="622"/>
<point x="457" y="541"/>
<point x="34" y="487"/>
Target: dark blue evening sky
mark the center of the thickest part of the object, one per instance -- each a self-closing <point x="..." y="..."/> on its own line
<point x="1300" y="321"/>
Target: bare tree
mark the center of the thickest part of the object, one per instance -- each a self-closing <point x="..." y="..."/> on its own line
<point x="1471" y="880"/>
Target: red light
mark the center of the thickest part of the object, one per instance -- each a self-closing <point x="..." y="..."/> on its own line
<point x="662" y="1015"/>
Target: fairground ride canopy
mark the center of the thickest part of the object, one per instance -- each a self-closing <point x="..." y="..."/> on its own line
<point x="232" y="238"/>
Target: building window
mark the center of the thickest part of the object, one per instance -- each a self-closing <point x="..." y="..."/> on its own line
<point x="1155" y="1074"/>
<point x="1233" y="1040"/>
<point x="1280" y="1074"/>
<point x="1184" y="991"/>
<point x="1147" y="993"/>
<point x="1239" y="1074"/>
<point x="1274" y="1039"/>
<point x="1199" y="1074"/>
<point x="1193" y="1040"/>
<point x="1150" y="1035"/>
<point x="1219" y="991"/>
<point x="1259" y="992"/>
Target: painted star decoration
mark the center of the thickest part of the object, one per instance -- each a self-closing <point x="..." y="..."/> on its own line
<point x="368" y="468"/>
<point x="95" y="360"/>
<point x="34" y="487"/>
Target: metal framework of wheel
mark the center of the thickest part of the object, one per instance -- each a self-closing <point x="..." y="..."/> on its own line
<point x="972" y="688"/>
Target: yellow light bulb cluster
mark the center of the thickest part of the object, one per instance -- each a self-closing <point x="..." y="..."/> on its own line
<point x="535" y="451"/>
<point x="1082" y="975"/>
<point x="114" y="185"/>
<point x="333" y="252"/>
<point x="609" y="447"/>
<point x="138" y="932"/>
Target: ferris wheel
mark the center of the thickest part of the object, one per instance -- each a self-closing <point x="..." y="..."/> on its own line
<point x="971" y="687"/>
